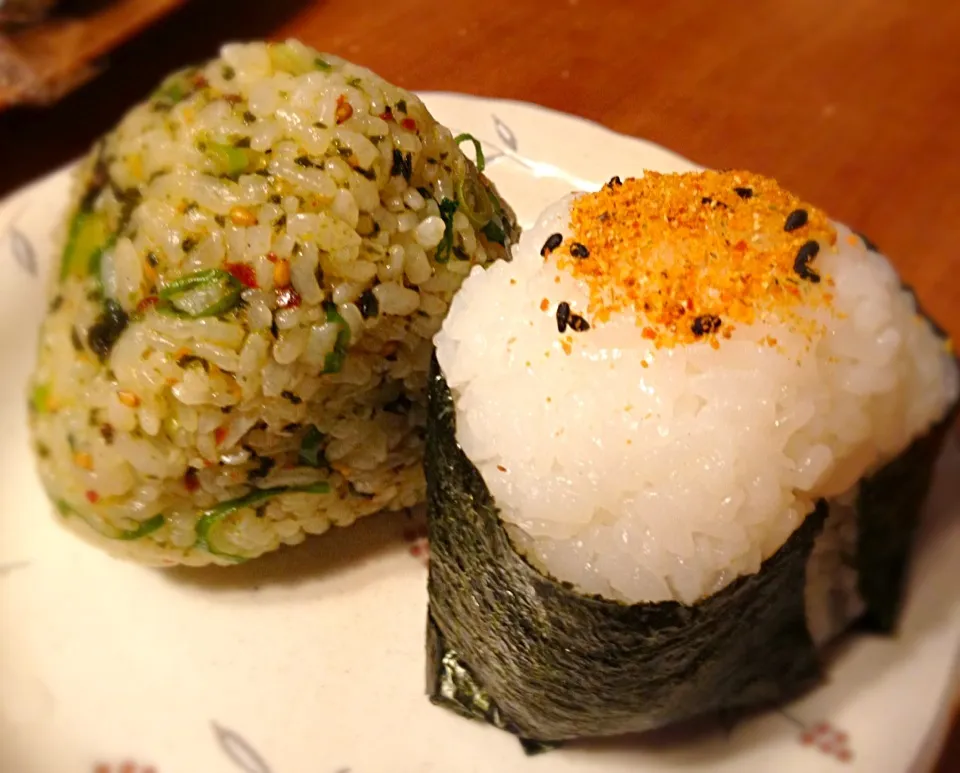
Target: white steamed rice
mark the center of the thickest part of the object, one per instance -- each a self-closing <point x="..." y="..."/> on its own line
<point x="646" y="474"/>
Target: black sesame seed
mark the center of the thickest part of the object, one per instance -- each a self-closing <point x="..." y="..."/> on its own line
<point x="286" y="394"/>
<point x="563" y="316"/>
<point x="304" y="161"/>
<point x="578" y="324"/>
<point x="188" y="244"/>
<point x="801" y="264"/>
<point x="266" y="464"/>
<point x="368" y="305"/>
<point x="76" y="340"/>
<point x="553" y="241"/>
<point x="796" y="219"/>
<point x="704" y="324"/>
<point x="291" y="427"/>
<point x="579" y="250"/>
<point x="402" y="165"/>
<point x="744" y="193"/>
<point x="153" y="260"/>
<point x="706" y="200"/>
<point x="868" y="243"/>
<point x="248" y="117"/>
<point x="614" y="181"/>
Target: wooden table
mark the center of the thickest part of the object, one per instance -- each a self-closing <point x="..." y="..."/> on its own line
<point x="852" y="104"/>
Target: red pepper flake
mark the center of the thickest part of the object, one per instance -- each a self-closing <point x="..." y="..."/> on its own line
<point x="501" y="468"/>
<point x="565" y="345"/>
<point x="344" y="109"/>
<point x="649" y="333"/>
<point x="288" y="298"/>
<point x="200" y="82"/>
<point x="219" y="435"/>
<point x="92" y="497"/>
<point x="146" y="303"/>
<point x="190" y="480"/>
<point x="243" y="274"/>
<point x="544" y="304"/>
<point x="409" y="124"/>
<point x="272" y="257"/>
<point x="232" y="99"/>
<point x="387" y="115"/>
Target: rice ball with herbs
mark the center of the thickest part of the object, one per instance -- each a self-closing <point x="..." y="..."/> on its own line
<point x="239" y="331"/>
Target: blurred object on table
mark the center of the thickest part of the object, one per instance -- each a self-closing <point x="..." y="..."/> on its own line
<point x="24" y="11"/>
<point x="39" y="63"/>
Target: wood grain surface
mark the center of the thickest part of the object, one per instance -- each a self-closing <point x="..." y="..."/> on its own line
<point x="854" y="104"/>
<point x="40" y="63"/>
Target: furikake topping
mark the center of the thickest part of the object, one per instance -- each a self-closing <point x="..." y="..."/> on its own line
<point x="705" y="324"/>
<point x="796" y="219"/>
<point x="680" y="252"/>
<point x="563" y="316"/>
<point x="553" y="241"/>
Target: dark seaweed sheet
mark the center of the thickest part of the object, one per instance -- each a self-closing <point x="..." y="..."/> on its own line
<point x="888" y="509"/>
<point x="530" y="655"/>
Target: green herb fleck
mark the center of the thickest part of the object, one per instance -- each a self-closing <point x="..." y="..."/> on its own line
<point x="311" y="448"/>
<point x="448" y="208"/>
<point x="333" y="362"/>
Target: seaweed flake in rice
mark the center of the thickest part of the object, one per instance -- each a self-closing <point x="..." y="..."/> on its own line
<point x="739" y="433"/>
<point x="254" y="263"/>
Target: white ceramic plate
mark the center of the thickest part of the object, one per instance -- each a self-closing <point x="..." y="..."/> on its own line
<point x="312" y="659"/>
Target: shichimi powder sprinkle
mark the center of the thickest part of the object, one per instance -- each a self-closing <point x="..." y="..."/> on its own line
<point x="695" y="254"/>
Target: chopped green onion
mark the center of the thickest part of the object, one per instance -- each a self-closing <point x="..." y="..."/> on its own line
<point x="447" y="210"/>
<point x="39" y="398"/>
<point x="147" y="527"/>
<point x="231" y="160"/>
<point x="474" y="201"/>
<point x="206" y="293"/>
<point x="333" y="362"/>
<point x="90" y="235"/>
<point x="215" y="515"/>
<point x="311" y="448"/>
<point x="322" y="64"/>
<point x="174" y="89"/>
<point x="477" y="147"/>
<point x="142" y="530"/>
<point x="284" y="58"/>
